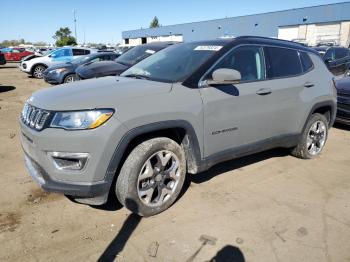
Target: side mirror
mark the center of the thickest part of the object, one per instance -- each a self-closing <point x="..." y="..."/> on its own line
<point x="224" y="76"/>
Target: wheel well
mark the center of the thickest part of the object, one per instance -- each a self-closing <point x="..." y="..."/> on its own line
<point x="179" y="135"/>
<point x="34" y="66"/>
<point x="324" y="110"/>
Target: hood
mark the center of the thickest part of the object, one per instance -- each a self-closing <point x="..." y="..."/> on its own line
<point x="96" y="93"/>
<point x="343" y="85"/>
<point x="99" y="69"/>
<point x="29" y="57"/>
<point x="60" y="65"/>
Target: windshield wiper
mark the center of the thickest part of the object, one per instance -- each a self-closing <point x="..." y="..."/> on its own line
<point x="138" y="76"/>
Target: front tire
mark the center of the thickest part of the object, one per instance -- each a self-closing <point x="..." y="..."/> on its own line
<point x="313" y="138"/>
<point x="152" y="176"/>
<point x="38" y="71"/>
<point x="69" y="78"/>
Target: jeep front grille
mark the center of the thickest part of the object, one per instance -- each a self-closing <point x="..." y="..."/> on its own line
<point x="34" y="117"/>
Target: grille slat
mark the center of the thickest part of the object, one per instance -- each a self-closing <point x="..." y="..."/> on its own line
<point x="34" y="117"/>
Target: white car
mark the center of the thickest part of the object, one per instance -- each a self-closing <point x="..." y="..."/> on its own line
<point x="37" y="66"/>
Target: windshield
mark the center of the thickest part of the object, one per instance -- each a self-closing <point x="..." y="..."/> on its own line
<point x="173" y="64"/>
<point x="136" y="54"/>
<point x="81" y="59"/>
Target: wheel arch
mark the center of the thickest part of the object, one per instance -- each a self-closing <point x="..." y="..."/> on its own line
<point x="35" y="65"/>
<point x="179" y="130"/>
<point x="326" y="108"/>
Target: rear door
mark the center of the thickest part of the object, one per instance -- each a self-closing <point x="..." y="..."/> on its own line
<point x="287" y="83"/>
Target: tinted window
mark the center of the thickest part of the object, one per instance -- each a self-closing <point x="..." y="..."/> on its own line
<point x="282" y="62"/>
<point x="79" y="52"/>
<point x="341" y="53"/>
<point x="137" y="54"/>
<point x="305" y="61"/>
<point x="330" y="55"/>
<point x="87" y="52"/>
<point x="248" y="60"/>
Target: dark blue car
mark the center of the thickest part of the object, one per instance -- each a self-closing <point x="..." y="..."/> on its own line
<point x="343" y="90"/>
<point x="65" y="72"/>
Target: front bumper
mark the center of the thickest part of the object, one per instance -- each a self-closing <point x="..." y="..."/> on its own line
<point x="52" y="78"/>
<point x="89" y="185"/>
<point x="23" y="66"/>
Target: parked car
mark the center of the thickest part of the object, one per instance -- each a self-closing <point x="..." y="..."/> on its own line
<point x="181" y="110"/>
<point x="36" y="66"/>
<point x="343" y="90"/>
<point x="16" y="54"/>
<point x="123" y="62"/>
<point x="336" y="58"/>
<point x="2" y="59"/>
<point x="65" y="72"/>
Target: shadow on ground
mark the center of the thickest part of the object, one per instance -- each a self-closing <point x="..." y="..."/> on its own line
<point x="228" y="254"/>
<point x="342" y="126"/>
<point x="236" y="164"/>
<point x="119" y="242"/>
<point x="4" y="89"/>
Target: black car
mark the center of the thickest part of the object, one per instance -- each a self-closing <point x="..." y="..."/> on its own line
<point x="336" y="58"/>
<point x="343" y="91"/>
<point x="122" y="63"/>
<point x="2" y="59"/>
<point x="65" y="73"/>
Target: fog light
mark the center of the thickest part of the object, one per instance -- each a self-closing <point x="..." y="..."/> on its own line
<point x="69" y="161"/>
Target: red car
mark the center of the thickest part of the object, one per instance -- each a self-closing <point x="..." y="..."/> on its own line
<point x="16" y="54"/>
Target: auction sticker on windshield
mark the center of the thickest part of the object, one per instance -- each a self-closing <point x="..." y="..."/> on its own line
<point x="149" y="51"/>
<point x="208" y="48"/>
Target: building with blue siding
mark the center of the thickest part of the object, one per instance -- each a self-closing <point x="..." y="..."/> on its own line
<point x="312" y="25"/>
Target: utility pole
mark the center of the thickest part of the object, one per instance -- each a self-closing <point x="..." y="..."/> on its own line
<point x="75" y="25"/>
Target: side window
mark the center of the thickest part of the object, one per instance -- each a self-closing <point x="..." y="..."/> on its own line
<point x="282" y="62"/>
<point x="78" y="52"/>
<point x="248" y="60"/>
<point x="87" y="52"/>
<point x="61" y="53"/>
<point x="341" y="53"/>
<point x="330" y="55"/>
<point x="306" y="61"/>
<point x="97" y="59"/>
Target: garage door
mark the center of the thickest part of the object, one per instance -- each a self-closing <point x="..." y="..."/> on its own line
<point x="328" y="33"/>
<point x="288" y="33"/>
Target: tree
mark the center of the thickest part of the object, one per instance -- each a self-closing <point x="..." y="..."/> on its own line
<point x="154" y="23"/>
<point x="63" y="37"/>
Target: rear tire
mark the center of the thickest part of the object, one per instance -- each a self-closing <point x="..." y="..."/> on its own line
<point x="313" y="138"/>
<point x="38" y="71"/>
<point x="152" y="176"/>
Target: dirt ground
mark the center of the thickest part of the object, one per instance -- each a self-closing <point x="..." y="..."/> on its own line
<point x="266" y="207"/>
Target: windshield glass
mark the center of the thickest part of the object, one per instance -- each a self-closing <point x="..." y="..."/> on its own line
<point x="81" y="59"/>
<point x="136" y="54"/>
<point x="173" y="64"/>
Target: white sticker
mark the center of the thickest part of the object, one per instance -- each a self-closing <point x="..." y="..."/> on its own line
<point x="149" y="51"/>
<point x="208" y="48"/>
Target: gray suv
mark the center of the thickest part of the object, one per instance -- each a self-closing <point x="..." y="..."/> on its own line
<point x="182" y="110"/>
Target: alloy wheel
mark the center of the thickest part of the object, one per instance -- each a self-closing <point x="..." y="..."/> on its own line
<point x="316" y="138"/>
<point x="158" y="178"/>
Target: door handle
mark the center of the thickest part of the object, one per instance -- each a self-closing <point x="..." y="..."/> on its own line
<point x="309" y="84"/>
<point x="264" y="91"/>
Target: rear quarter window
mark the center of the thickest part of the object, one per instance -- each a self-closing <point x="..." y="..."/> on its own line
<point x="306" y="61"/>
<point x="282" y="62"/>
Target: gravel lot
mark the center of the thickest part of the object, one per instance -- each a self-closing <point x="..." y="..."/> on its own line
<point x="266" y="207"/>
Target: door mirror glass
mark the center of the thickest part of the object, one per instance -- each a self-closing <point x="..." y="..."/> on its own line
<point x="225" y="76"/>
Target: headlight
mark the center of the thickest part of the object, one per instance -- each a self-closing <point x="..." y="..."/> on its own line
<point x="75" y="120"/>
<point x="59" y="70"/>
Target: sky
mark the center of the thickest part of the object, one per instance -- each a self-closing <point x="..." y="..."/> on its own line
<point x="103" y="21"/>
